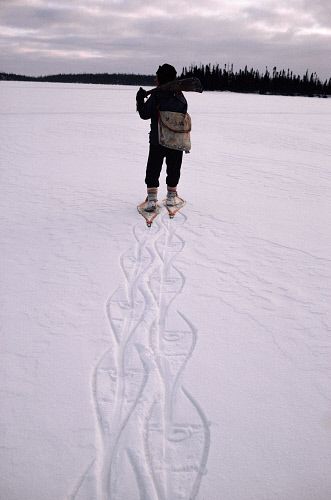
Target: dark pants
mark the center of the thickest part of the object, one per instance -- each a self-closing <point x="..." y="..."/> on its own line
<point x="154" y="165"/>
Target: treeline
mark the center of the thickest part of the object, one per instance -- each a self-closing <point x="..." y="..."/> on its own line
<point x="98" y="78"/>
<point x="213" y="77"/>
<point x="276" y="82"/>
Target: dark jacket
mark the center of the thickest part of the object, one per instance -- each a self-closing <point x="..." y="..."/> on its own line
<point x="163" y="101"/>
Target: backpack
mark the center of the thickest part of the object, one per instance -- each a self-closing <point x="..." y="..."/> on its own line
<point x="174" y="130"/>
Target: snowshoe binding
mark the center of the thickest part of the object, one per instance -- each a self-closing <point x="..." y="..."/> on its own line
<point x="173" y="203"/>
<point x="149" y="210"/>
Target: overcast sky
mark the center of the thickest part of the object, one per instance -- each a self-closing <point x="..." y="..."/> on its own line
<point x="43" y="37"/>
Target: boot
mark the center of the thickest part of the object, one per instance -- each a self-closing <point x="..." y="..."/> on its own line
<point x="171" y="196"/>
<point x="151" y="200"/>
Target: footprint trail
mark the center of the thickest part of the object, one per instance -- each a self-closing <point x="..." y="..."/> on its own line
<point x="153" y="438"/>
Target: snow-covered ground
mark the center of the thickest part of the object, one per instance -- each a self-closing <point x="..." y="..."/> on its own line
<point x="188" y="360"/>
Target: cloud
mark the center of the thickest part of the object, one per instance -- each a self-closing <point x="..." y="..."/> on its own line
<point x="40" y="36"/>
<point x="320" y="10"/>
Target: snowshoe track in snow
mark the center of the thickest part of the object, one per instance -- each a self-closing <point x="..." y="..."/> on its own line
<point x="153" y="437"/>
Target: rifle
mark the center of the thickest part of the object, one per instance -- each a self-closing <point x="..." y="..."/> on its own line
<point x="185" y="85"/>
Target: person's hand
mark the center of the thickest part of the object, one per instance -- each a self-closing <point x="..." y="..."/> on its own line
<point x="141" y="94"/>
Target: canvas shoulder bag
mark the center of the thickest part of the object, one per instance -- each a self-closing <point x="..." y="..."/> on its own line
<point x="174" y="130"/>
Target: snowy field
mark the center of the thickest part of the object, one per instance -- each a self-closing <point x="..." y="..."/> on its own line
<point x="191" y="360"/>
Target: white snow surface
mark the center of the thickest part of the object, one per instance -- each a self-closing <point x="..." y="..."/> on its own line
<point x="189" y="360"/>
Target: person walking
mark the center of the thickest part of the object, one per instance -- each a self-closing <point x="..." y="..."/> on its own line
<point x="161" y="100"/>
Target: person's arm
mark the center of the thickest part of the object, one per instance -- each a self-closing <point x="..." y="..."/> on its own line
<point x="145" y="109"/>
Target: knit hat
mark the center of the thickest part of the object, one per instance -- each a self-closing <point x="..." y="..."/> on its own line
<point x="166" y="73"/>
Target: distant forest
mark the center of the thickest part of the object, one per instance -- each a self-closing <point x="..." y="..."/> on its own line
<point x="97" y="78"/>
<point x="276" y="82"/>
<point x="213" y="77"/>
